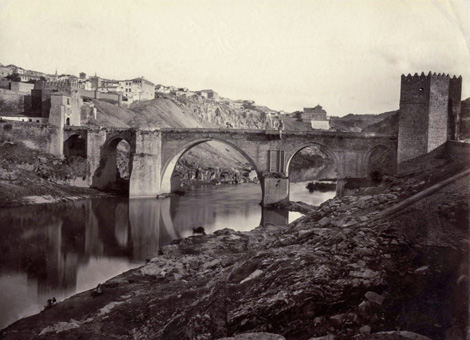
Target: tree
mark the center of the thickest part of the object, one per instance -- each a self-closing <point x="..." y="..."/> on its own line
<point x="13" y="77"/>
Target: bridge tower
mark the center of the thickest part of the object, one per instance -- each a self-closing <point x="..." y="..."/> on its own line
<point x="429" y="113"/>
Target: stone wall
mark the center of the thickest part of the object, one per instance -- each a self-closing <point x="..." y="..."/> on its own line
<point x="32" y="135"/>
<point x="458" y="151"/>
<point x="115" y="97"/>
<point x="11" y="102"/>
<point x="21" y="87"/>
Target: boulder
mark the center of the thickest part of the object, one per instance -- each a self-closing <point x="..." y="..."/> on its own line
<point x="365" y="329"/>
<point x="324" y="222"/>
<point x="374" y="298"/>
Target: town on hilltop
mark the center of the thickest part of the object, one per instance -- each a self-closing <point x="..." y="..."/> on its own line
<point x="27" y="95"/>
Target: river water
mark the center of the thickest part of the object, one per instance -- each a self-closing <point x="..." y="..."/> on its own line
<point x="58" y="250"/>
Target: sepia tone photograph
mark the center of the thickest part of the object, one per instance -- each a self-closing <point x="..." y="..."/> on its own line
<point x="235" y="170"/>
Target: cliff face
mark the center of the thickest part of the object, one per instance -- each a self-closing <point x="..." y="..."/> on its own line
<point x="185" y="112"/>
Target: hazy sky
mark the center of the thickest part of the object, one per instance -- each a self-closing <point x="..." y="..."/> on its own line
<point x="346" y="55"/>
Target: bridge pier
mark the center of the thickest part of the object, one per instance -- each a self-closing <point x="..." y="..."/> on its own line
<point x="275" y="190"/>
<point x="340" y="183"/>
<point x="146" y="164"/>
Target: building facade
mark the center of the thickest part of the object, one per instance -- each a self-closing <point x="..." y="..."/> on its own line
<point x="209" y="94"/>
<point x="316" y="116"/>
<point x="143" y="89"/>
<point x="132" y="90"/>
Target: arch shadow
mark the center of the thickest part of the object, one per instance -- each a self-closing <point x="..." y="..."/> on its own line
<point x="380" y="160"/>
<point x="107" y="175"/>
<point x="75" y="146"/>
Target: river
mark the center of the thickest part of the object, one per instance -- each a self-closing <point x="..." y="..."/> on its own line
<point x="57" y="250"/>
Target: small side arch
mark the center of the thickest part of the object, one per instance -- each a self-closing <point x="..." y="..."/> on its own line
<point x="112" y="142"/>
<point x="170" y="164"/>
<point x="380" y="160"/>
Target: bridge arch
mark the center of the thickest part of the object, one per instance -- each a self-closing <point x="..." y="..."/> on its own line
<point x="170" y="164"/>
<point x="324" y="149"/>
<point x="379" y="160"/>
<point x="107" y="175"/>
<point x="75" y="146"/>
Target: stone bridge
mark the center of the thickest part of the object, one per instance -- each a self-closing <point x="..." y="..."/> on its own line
<point x="154" y="154"/>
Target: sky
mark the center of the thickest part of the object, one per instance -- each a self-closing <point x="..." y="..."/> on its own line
<point x="347" y="56"/>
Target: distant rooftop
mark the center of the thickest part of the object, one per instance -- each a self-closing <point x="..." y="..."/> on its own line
<point x="316" y="109"/>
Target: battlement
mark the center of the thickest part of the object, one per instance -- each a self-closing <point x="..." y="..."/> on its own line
<point x="423" y="77"/>
<point x="65" y="85"/>
<point x="62" y="85"/>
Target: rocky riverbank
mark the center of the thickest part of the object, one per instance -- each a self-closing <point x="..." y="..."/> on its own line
<point x="190" y="173"/>
<point x="28" y="176"/>
<point x="354" y="267"/>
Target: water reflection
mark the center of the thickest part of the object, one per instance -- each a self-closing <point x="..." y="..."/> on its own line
<point x="61" y="249"/>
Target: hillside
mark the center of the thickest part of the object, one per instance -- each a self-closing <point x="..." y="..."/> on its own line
<point x="178" y="111"/>
<point x="358" y="122"/>
<point x="388" y="125"/>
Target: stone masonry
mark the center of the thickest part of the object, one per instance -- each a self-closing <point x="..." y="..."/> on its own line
<point x="154" y="154"/>
<point x="429" y="113"/>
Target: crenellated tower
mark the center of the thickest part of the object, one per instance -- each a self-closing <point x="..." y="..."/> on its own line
<point x="429" y="112"/>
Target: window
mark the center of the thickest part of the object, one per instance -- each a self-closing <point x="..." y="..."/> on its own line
<point x="68" y="101"/>
<point x="67" y="122"/>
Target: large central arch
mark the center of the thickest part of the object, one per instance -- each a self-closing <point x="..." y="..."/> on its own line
<point x="170" y="164"/>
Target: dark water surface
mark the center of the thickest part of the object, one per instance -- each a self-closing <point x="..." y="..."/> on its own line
<point x="57" y="250"/>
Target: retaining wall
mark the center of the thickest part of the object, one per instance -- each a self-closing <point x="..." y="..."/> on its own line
<point x="11" y="102"/>
<point x="458" y="151"/>
<point x="33" y="135"/>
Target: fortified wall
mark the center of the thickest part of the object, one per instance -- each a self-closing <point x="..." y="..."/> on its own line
<point x="36" y="136"/>
<point x="429" y="113"/>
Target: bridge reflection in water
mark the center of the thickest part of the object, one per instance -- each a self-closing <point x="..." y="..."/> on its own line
<point x="60" y="249"/>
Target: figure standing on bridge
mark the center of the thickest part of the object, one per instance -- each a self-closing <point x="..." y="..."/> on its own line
<point x="281" y="127"/>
